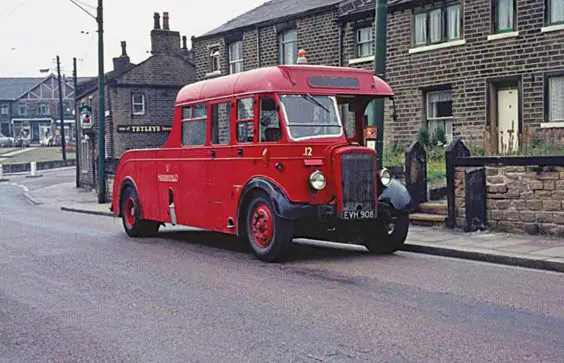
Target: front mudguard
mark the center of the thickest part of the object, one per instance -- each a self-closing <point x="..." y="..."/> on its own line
<point x="280" y="201"/>
<point x="396" y="196"/>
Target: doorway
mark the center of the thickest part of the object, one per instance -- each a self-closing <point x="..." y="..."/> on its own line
<point x="508" y="119"/>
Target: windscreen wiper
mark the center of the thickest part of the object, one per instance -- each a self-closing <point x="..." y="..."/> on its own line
<point x="312" y="99"/>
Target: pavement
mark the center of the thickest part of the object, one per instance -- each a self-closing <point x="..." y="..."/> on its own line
<point x="75" y="288"/>
<point x="518" y="250"/>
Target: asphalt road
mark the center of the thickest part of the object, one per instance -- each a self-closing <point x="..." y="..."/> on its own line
<point x="74" y="288"/>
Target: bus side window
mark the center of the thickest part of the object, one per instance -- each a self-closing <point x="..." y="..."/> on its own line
<point x="269" y="122"/>
<point x="220" y="123"/>
<point x="194" y="125"/>
<point x="245" y="120"/>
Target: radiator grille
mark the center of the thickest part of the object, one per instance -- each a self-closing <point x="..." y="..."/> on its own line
<point x="358" y="178"/>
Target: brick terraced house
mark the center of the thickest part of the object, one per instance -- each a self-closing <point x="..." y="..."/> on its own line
<point x="481" y="70"/>
<point x="139" y="99"/>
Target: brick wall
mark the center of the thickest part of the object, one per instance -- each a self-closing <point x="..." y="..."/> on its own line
<point x="520" y="199"/>
<point x="468" y="68"/>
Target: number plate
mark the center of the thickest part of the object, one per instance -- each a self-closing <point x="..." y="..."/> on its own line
<point x="360" y="214"/>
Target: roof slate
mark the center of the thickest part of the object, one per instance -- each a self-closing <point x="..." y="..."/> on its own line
<point x="270" y="10"/>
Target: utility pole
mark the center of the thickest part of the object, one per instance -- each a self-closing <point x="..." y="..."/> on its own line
<point x="76" y="123"/>
<point x="101" y="107"/>
<point x="381" y="25"/>
<point x="61" y="109"/>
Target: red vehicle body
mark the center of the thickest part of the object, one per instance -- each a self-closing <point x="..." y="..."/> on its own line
<point x="281" y="166"/>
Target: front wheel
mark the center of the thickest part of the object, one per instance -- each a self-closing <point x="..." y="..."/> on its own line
<point x="389" y="237"/>
<point x="269" y="235"/>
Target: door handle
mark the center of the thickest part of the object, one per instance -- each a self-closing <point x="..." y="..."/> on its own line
<point x="213" y="154"/>
<point x="239" y="152"/>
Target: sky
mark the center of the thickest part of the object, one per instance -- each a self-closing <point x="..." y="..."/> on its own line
<point x="34" y="32"/>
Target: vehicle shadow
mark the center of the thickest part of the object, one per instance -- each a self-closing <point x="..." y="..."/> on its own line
<point x="300" y="250"/>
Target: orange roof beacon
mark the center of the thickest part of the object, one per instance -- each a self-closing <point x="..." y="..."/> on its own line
<point x="269" y="155"/>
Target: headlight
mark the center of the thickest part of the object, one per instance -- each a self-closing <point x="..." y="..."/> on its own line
<point x="317" y="180"/>
<point x="385" y="177"/>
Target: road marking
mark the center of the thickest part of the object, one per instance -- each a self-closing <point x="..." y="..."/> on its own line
<point x="25" y="189"/>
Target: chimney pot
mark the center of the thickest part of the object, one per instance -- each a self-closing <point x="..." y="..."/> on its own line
<point x="165" y="21"/>
<point x="157" y="18"/>
<point x="123" y="49"/>
<point x="184" y="44"/>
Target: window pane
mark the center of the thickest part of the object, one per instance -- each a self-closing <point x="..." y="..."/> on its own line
<point x="436" y="26"/>
<point x="186" y="113"/>
<point x="504" y="14"/>
<point x="245" y="132"/>
<point x="556" y="11"/>
<point x="194" y="133"/>
<point x="199" y="111"/>
<point x="439" y="104"/>
<point x="364" y="35"/>
<point x="291" y="35"/>
<point x="220" y="123"/>
<point x="245" y="109"/>
<point x="421" y="29"/>
<point x="453" y="21"/>
<point x="556" y="97"/>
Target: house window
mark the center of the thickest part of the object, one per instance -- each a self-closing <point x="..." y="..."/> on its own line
<point x="288" y="47"/>
<point x="364" y="42"/>
<point x="556" y="99"/>
<point x="214" y="60"/>
<point x="439" y="115"/>
<point x="22" y="109"/>
<point x="236" y="57"/>
<point x="4" y="110"/>
<point x="555" y="11"/>
<point x="43" y="108"/>
<point x="438" y="25"/>
<point x="138" y="103"/>
<point x="194" y="125"/>
<point x="504" y="16"/>
<point x="84" y="156"/>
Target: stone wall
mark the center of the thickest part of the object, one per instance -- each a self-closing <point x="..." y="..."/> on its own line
<point x="519" y="199"/>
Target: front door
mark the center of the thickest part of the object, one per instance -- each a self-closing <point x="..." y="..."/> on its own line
<point x="508" y="119"/>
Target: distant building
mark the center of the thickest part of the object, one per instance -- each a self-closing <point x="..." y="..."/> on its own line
<point x="29" y="108"/>
<point x="481" y="70"/>
<point x="140" y="99"/>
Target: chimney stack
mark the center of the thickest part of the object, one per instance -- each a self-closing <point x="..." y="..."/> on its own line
<point x="184" y="44"/>
<point x="165" y="21"/>
<point x="122" y="63"/>
<point x="157" y="18"/>
<point x="164" y="41"/>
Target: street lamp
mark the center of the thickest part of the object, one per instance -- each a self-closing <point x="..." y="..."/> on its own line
<point x="101" y="100"/>
<point x="381" y="25"/>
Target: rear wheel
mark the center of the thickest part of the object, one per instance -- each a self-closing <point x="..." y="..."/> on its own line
<point x="269" y="235"/>
<point x="131" y="216"/>
<point x="388" y="237"/>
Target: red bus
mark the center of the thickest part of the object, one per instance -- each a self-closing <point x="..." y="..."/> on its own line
<point x="269" y="155"/>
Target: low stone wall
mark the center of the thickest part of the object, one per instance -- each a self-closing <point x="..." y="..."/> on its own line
<point x="519" y="199"/>
<point x="41" y="165"/>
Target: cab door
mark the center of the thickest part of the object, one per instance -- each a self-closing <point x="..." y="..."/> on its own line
<point x="220" y="164"/>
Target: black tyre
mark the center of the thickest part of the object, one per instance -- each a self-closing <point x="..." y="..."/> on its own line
<point x="130" y="210"/>
<point x="269" y="235"/>
<point x="387" y="238"/>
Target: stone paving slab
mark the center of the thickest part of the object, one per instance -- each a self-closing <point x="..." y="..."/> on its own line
<point x="518" y="250"/>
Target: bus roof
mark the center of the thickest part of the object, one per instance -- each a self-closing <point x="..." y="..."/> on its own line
<point x="287" y="79"/>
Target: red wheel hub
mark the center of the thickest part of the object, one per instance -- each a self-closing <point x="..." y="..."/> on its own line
<point x="129" y="212"/>
<point x="262" y="226"/>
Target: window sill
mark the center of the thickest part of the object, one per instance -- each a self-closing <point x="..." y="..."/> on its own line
<point x="429" y="48"/>
<point x="503" y="36"/>
<point x="552" y="28"/>
<point x="361" y="60"/>
<point x="213" y="74"/>
<point x="552" y="125"/>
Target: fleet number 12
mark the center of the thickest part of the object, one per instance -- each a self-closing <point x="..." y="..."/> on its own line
<point x="307" y="151"/>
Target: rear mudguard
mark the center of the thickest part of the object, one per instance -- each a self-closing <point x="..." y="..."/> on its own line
<point x="280" y="201"/>
<point x="397" y="196"/>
